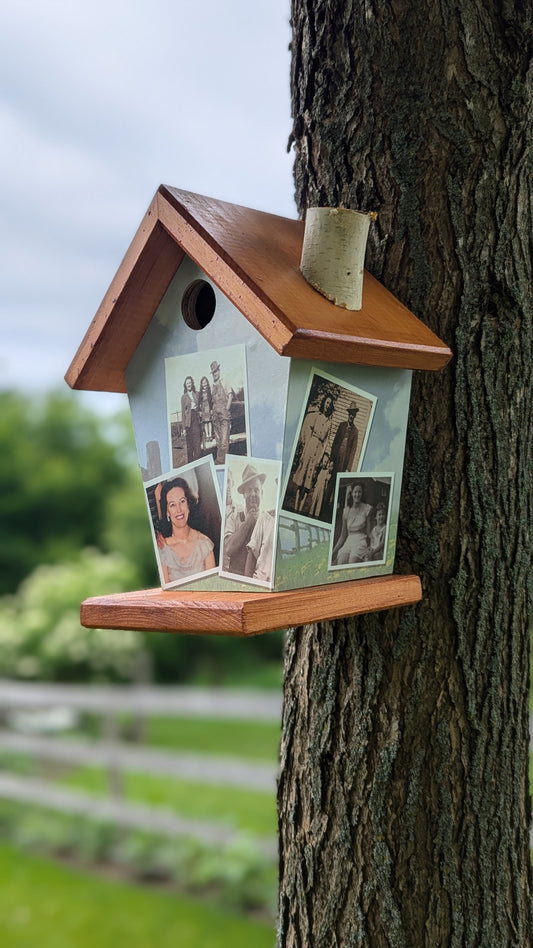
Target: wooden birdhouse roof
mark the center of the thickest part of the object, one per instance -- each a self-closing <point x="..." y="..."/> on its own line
<point x="253" y="257"/>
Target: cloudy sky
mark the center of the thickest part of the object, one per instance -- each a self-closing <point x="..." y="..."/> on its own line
<point x="100" y="102"/>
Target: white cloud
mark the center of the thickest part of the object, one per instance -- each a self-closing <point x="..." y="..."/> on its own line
<point x="394" y="412"/>
<point x="101" y="103"/>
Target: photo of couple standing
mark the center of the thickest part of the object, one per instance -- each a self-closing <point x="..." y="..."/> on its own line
<point x="206" y="414"/>
<point x="206" y="399"/>
<point x="331" y="438"/>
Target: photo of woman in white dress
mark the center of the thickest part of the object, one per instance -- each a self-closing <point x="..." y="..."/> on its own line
<point x="352" y="545"/>
<point x="361" y="522"/>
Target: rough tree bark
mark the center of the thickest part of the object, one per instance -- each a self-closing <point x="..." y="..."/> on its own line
<point x="403" y="797"/>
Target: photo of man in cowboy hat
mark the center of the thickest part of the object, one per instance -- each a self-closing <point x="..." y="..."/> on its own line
<point x="249" y="535"/>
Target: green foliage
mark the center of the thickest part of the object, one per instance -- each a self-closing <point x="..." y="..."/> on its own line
<point x="40" y="631"/>
<point x="247" y="879"/>
<point x="126" y="527"/>
<point x="216" y="660"/>
<point x="61" y="468"/>
<point x="55" y="907"/>
<point x="35" y="830"/>
<point x="237" y="875"/>
<point x="242" y="877"/>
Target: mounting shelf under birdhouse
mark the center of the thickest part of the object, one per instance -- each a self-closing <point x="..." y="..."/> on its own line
<point x="270" y="423"/>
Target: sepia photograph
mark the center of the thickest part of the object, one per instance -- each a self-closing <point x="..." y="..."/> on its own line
<point x="207" y="405"/>
<point x="185" y="514"/>
<point x="362" y="519"/>
<point x="331" y="438"/>
<point x="249" y="529"/>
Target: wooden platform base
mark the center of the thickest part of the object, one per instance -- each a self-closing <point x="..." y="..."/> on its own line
<point x="249" y="613"/>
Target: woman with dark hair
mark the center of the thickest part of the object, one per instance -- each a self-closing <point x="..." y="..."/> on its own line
<point x="205" y="407"/>
<point x="352" y="545"/>
<point x="314" y="437"/>
<point x="185" y="551"/>
<point x="190" y="419"/>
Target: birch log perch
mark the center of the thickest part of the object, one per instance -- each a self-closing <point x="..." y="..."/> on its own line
<point x="333" y="253"/>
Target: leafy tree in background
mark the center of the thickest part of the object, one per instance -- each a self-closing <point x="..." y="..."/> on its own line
<point x="40" y="632"/>
<point x="403" y="794"/>
<point x="67" y="481"/>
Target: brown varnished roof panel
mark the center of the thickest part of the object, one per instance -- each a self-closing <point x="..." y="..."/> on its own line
<point x="263" y="252"/>
<point x="253" y="257"/>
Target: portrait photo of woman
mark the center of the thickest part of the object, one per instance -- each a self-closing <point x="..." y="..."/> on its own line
<point x="352" y="545"/>
<point x="186" y="523"/>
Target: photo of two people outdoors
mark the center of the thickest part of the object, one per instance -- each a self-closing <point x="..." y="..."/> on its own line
<point x="331" y="438"/>
<point x="330" y="444"/>
<point x="361" y="520"/>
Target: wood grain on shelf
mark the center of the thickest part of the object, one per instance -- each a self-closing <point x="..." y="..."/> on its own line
<point x="241" y="614"/>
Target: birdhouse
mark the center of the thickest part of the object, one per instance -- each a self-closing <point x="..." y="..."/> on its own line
<point x="270" y="423"/>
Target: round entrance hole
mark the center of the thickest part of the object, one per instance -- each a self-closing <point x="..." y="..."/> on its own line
<point x="198" y="304"/>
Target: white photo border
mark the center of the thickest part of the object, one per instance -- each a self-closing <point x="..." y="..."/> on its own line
<point x="349" y="479"/>
<point x="188" y="472"/>
<point x="271" y="469"/>
<point x="354" y="390"/>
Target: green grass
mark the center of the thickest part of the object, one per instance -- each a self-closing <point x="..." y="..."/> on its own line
<point x="255" y="740"/>
<point x="46" y="905"/>
<point x="245" y="810"/>
<point x="264" y="675"/>
<point x="251" y="739"/>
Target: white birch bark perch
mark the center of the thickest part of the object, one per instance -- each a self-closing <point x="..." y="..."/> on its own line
<point x="333" y="253"/>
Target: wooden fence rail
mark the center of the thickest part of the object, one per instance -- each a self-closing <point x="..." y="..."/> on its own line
<point x="154" y="820"/>
<point x="226" y="771"/>
<point x="161" y="700"/>
<point x="32" y="705"/>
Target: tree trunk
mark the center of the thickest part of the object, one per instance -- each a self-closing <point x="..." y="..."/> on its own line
<point x="403" y="797"/>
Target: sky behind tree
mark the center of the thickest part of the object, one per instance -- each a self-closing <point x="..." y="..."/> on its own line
<point x="100" y="103"/>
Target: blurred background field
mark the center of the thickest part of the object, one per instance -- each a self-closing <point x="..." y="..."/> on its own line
<point x="169" y="832"/>
<point x="53" y="906"/>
